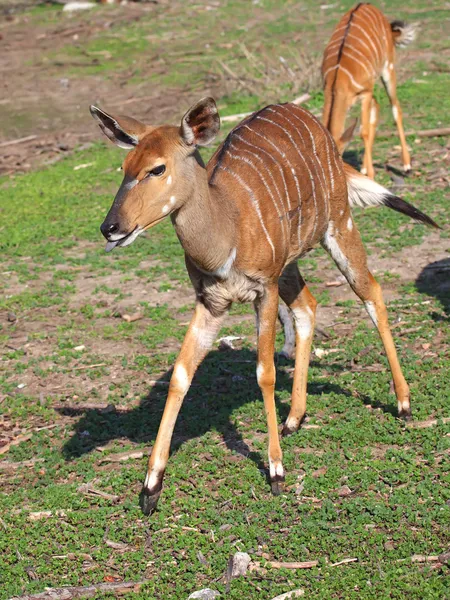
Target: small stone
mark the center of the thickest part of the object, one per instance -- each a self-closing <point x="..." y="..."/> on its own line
<point x="205" y="594"/>
<point x="241" y="560"/>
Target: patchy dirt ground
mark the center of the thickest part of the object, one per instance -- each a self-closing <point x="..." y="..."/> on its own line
<point x="44" y="101"/>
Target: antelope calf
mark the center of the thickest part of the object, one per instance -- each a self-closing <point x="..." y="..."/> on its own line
<point x="361" y="49"/>
<point x="274" y="188"/>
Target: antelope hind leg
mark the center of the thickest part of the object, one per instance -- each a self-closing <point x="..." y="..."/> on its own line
<point x="342" y="241"/>
<point x="297" y="296"/>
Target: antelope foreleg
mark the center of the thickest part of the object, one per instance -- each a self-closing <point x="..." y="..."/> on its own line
<point x="198" y="340"/>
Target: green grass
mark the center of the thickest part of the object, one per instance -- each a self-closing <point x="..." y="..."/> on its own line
<point x="62" y="292"/>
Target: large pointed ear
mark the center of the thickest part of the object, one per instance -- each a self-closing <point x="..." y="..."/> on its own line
<point x="201" y="123"/>
<point x="125" y="132"/>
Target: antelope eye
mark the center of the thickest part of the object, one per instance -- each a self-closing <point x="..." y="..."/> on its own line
<point x="157" y="171"/>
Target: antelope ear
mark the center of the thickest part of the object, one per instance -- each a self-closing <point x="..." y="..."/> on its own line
<point x="201" y="123"/>
<point x="123" y="131"/>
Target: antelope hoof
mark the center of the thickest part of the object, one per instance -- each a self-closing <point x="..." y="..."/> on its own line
<point x="148" y="501"/>
<point x="292" y="425"/>
<point x="404" y="408"/>
<point x="405" y="414"/>
<point x="407" y="168"/>
<point x="287" y="352"/>
<point x="276" y="487"/>
<point x="276" y="477"/>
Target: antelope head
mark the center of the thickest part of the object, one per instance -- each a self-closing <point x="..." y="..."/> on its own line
<point x="159" y="169"/>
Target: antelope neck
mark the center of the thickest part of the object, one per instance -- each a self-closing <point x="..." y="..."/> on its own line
<point x="206" y="225"/>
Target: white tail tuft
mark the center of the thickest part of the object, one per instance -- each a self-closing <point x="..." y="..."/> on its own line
<point x="404" y="33"/>
<point x="365" y="192"/>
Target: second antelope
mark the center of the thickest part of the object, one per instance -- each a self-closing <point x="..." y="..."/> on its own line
<point x="276" y="187"/>
<point x="362" y="49"/>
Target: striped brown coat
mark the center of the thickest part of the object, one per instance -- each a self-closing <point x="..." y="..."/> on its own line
<point x="274" y="189"/>
<point x="360" y="51"/>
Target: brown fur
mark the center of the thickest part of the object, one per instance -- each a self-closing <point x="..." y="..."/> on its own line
<point x="274" y="189"/>
<point x="361" y="49"/>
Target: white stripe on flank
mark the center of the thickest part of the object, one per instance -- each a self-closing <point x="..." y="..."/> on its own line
<point x="323" y="181"/>
<point x="295" y="177"/>
<point x="258" y="172"/>
<point x="258" y="148"/>
<point x="380" y="57"/>
<point x="282" y="214"/>
<point x="254" y="202"/>
<point x="313" y="141"/>
<point x="358" y="40"/>
<point x="331" y="45"/>
<point x="313" y="184"/>
<point x="364" y="65"/>
<point x="350" y="76"/>
<point x="286" y="160"/>
<point x="368" y="15"/>
<point x="329" y="71"/>
<point x="379" y="27"/>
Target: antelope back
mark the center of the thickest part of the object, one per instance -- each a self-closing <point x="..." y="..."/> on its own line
<point x="358" y="50"/>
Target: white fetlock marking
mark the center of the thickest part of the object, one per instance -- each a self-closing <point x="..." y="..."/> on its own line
<point x="373" y="115"/>
<point x="291" y="423"/>
<point x="407" y="167"/>
<point x="370" y="307"/>
<point x="404" y="405"/>
<point x="364" y="171"/>
<point x="181" y="378"/>
<point x="395" y="112"/>
<point x="151" y="480"/>
<point x="303" y="321"/>
<point x="275" y="469"/>
<point x="259" y="372"/>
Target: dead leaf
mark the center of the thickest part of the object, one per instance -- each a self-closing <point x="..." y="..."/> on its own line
<point x="319" y="472"/>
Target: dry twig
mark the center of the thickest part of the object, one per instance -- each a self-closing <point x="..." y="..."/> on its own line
<point x="85" y="591"/>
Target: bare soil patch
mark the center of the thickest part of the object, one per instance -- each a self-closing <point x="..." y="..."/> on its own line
<point x="44" y="103"/>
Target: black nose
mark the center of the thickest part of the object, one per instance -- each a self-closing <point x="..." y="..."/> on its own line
<point x="109" y="228"/>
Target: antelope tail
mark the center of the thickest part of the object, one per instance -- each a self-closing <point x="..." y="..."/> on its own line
<point x="365" y="192"/>
<point x="403" y="33"/>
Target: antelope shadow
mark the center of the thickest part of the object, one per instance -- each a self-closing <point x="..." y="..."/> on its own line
<point x="224" y="382"/>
